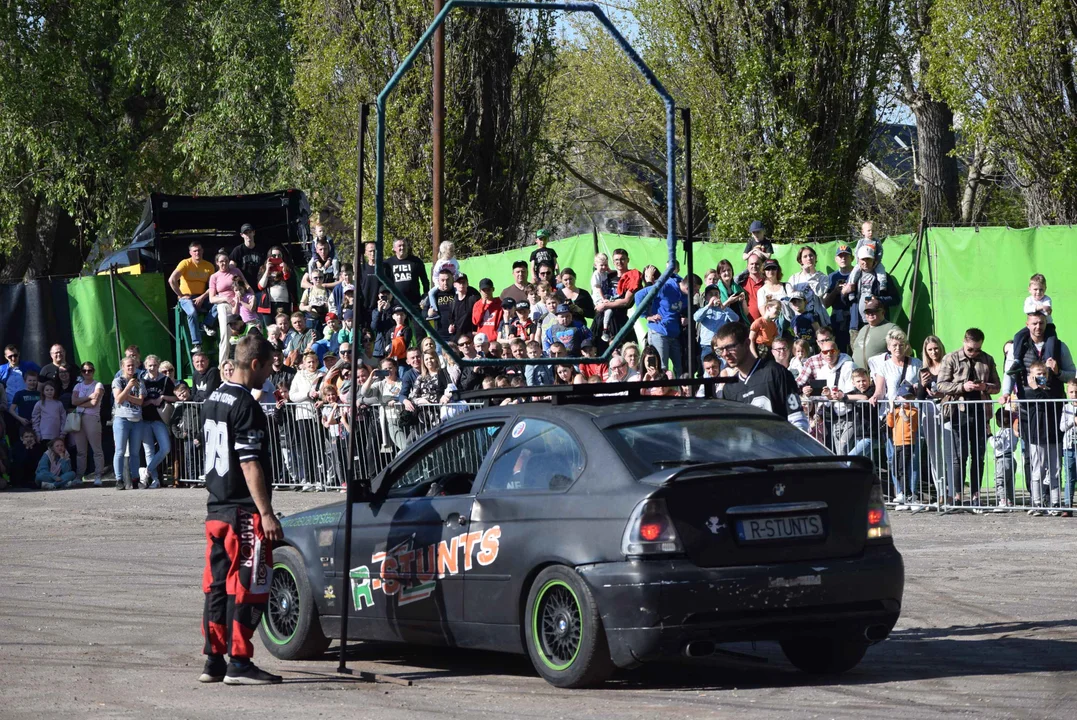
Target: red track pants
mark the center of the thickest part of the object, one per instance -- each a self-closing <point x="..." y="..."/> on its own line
<point x="239" y="567"/>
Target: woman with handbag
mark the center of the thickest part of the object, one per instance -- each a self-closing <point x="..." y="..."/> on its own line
<point x="159" y="390"/>
<point x="84" y="424"/>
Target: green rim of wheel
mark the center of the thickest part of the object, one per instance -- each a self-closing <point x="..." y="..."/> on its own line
<point x="284" y="611"/>
<point x="557" y="625"/>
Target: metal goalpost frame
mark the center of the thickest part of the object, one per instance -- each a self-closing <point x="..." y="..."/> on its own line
<point x="379" y="184"/>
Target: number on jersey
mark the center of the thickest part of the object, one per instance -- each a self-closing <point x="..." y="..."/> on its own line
<point x="215" y="436"/>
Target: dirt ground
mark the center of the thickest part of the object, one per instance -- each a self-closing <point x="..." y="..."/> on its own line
<point x="100" y="606"/>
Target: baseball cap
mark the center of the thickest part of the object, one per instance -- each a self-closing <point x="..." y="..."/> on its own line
<point x="486" y="284"/>
<point x="397" y="309"/>
<point x="330" y="316"/>
<point x="480" y="338"/>
<point x="542" y="233"/>
<point x="843" y="249"/>
<point x="508" y="303"/>
<point x="797" y="295"/>
<point x="349" y="315"/>
<point x="461" y="278"/>
<point x="246" y="228"/>
<point x="866" y="251"/>
<point x="771" y="265"/>
<point x="756" y="226"/>
<point x="523" y="305"/>
<point x="586" y="344"/>
<point x="564" y="308"/>
<point x="872" y="303"/>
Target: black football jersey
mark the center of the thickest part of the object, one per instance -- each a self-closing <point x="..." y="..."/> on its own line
<point x="771" y="387"/>
<point x="234" y="431"/>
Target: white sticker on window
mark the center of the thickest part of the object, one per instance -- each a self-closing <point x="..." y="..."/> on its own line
<point x="518" y="430"/>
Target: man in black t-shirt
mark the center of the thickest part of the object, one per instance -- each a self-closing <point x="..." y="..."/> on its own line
<point x="205" y="378"/>
<point x="464" y="299"/>
<point x="407" y="273"/>
<point x="444" y="297"/>
<point x="542" y="255"/>
<point x="762" y="382"/>
<point x="247" y="257"/>
<point x="240" y="524"/>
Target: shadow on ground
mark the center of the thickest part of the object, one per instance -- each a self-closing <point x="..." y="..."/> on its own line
<point x="910" y="654"/>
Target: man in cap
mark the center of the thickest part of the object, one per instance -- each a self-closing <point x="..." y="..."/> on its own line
<point x="464" y="299"/>
<point x="246" y="257"/>
<point x="838" y="302"/>
<point x="487" y="313"/>
<point x="870" y="339"/>
<point x="758" y="242"/>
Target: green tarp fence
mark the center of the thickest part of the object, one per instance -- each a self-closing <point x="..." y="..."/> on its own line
<point x="968" y="277"/>
<point x="89" y="301"/>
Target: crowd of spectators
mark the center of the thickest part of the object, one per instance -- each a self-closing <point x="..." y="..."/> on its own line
<point x="804" y="346"/>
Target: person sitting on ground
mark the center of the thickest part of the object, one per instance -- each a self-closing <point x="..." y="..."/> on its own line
<point x="54" y="468"/>
<point x="26" y="451"/>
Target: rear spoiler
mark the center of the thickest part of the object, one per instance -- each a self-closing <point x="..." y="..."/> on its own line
<point x="851" y="462"/>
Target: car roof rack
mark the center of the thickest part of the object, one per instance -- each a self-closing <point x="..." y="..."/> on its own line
<point x="595" y="393"/>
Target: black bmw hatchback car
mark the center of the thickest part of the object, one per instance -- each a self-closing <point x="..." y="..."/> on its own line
<point x="594" y="535"/>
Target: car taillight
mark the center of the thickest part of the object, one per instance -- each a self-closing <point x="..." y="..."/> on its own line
<point x="878" y="520"/>
<point x="650" y="530"/>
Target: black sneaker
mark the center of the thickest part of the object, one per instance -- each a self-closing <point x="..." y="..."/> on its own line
<point x="214" y="670"/>
<point x="250" y="674"/>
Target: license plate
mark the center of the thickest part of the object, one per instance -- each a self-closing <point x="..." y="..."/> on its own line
<point x="780" y="528"/>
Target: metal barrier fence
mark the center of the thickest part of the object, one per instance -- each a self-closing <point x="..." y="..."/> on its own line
<point x="309" y="445"/>
<point x="977" y="456"/>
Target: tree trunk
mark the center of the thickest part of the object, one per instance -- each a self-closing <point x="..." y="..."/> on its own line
<point x="937" y="164"/>
<point x="35" y="236"/>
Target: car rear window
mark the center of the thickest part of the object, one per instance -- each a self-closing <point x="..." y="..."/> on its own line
<point x="667" y="443"/>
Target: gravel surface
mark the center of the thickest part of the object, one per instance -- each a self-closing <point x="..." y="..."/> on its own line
<point x="100" y="607"/>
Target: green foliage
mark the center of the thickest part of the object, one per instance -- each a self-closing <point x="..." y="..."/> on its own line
<point x="1008" y="68"/>
<point x="498" y="66"/>
<point x="102" y="102"/>
<point x="784" y="96"/>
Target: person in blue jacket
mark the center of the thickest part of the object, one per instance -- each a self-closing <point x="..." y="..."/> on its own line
<point x="54" y="468"/>
<point x="667" y="320"/>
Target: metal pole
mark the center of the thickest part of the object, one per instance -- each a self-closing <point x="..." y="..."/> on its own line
<point x="148" y="308"/>
<point x="915" y="274"/>
<point x="115" y="315"/>
<point x="690" y="344"/>
<point x="438" y="131"/>
<point x="345" y="594"/>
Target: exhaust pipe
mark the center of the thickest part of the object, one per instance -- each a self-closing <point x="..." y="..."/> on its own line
<point x="699" y="648"/>
<point x="876" y="633"/>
